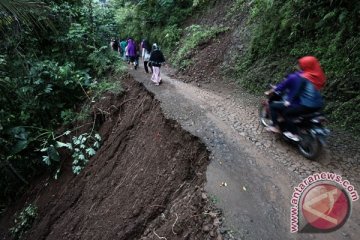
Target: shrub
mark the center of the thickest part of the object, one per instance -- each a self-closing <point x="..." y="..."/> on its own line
<point x="24" y="221"/>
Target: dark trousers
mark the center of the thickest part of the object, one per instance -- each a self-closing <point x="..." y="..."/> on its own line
<point x="146" y="67"/>
<point x="276" y="107"/>
<point x="292" y="112"/>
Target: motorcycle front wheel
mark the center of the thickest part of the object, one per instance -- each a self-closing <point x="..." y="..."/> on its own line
<point x="309" y="145"/>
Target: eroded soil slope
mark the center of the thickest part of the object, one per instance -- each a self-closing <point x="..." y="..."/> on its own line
<point x="145" y="182"/>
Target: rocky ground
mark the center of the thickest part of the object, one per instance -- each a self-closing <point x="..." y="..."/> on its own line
<point x="252" y="172"/>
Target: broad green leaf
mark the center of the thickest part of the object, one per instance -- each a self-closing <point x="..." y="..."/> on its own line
<point x="96" y="144"/>
<point x="76" y="141"/>
<point x="83" y="140"/>
<point x="48" y="88"/>
<point x="53" y="153"/>
<point x="66" y="145"/>
<point x="46" y="160"/>
<point x="44" y="149"/>
<point x="90" y="151"/>
<point x="97" y="136"/>
<point x="19" y="146"/>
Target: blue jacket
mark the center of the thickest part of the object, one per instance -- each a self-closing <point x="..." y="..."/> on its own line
<point x="300" y="91"/>
<point x="309" y="96"/>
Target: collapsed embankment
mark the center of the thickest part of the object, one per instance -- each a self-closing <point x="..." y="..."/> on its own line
<point x="146" y="181"/>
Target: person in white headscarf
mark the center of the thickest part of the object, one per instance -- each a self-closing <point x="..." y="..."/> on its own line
<point x="156" y="59"/>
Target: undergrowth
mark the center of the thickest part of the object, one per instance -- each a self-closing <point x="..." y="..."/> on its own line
<point x="194" y="36"/>
<point x="24" y="221"/>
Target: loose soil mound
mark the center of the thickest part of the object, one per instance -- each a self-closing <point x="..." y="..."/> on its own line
<point x="145" y="182"/>
<point x="211" y="60"/>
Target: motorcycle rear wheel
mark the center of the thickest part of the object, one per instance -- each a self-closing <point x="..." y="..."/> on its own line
<point x="309" y="145"/>
<point x="264" y="116"/>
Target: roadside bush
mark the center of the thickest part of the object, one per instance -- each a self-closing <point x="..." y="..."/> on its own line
<point x="46" y="73"/>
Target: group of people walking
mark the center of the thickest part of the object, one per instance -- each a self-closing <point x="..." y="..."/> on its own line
<point x="151" y="55"/>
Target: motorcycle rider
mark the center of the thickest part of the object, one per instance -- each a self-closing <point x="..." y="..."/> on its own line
<point x="302" y="95"/>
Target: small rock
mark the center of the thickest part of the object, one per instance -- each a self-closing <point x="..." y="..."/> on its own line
<point x="212" y="234"/>
<point x="206" y="228"/>
<point x="216" y="222"/>
<point x="212" y="214"/>
<point x="203" y="196"/>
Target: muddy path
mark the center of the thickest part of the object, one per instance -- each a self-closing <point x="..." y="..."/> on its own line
<point x="259" y="169"/>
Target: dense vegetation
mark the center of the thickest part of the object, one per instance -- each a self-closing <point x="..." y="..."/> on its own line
<point x="158" y="21"/>
<point x="283" y="31"/>
<point x="54" y="61"/>
<point x="54" y="56"/>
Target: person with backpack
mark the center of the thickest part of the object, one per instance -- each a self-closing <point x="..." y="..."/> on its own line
<point x="302" y="95"/>
<point x="156" y="59"/>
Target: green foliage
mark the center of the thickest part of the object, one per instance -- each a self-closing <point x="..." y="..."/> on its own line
<point x="195" y="35"/>
<point x="24" y="221"/>
<point x="99" y="88"/>
<point x="171" y="36"/>
<point x="45" y="75"/>
<point x="68" y="116"/>
<point x="286" y="30"/>
<point x="156" y="20"/>
<point x="102" y="60"/>
<point x="84" y="146"/>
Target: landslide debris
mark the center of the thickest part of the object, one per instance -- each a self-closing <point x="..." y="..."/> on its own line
<point x="145" y="182"/>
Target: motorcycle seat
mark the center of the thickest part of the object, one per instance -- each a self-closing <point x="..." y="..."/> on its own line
<point x="312" y="115"/>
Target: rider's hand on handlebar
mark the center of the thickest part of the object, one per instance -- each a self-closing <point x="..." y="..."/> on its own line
<point x="286" y="103"/>
<point x="267" y="93"/>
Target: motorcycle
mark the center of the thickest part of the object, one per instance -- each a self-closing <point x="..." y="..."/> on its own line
<point x="312" y="132"/>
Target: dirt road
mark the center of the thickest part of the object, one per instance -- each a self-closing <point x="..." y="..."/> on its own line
<point x="252" y="172"/>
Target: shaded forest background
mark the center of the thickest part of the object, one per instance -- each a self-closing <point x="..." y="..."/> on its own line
<point x="55" y="60"/>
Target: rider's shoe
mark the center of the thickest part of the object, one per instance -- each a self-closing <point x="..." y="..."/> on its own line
<point x="272" y="129"/>
<point x="291" y="136"/>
